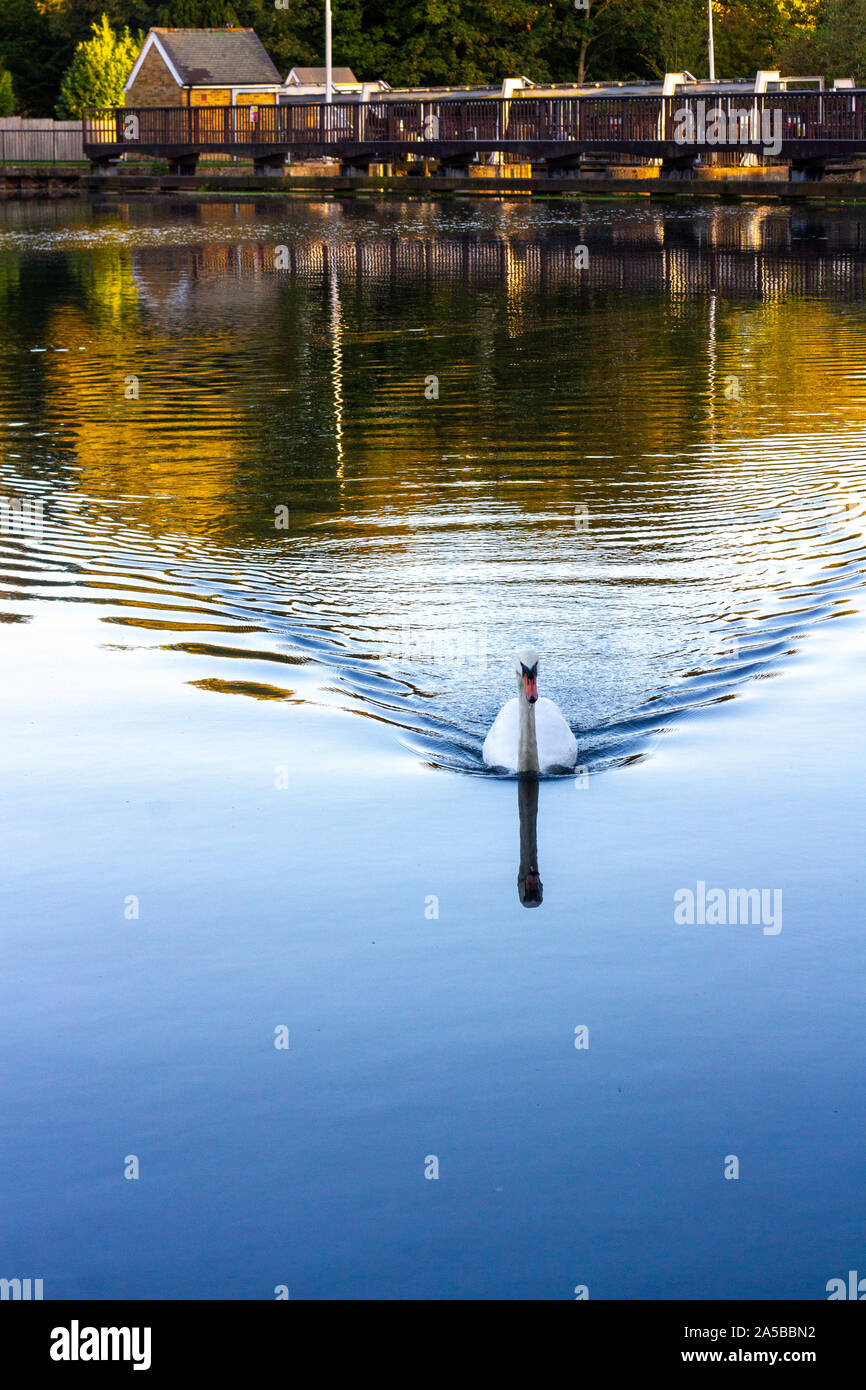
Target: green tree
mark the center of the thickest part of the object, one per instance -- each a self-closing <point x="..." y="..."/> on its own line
<point x="7" y="96"/>
<point x="415" y="42"/>
<point x="673" y="34"/>
<point x="25" y="52"/>
<point x="197" y="14"/>
<point x="99" y="68"/>
<point x="830" y="40"/>
<point x="431" y="42"/>
<point x="592" y="20"/>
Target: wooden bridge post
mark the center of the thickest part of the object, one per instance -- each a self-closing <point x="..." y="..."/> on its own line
<point x="808" y="170"/>
<point x="185" y="165"/>
<point x="272" y="164"/>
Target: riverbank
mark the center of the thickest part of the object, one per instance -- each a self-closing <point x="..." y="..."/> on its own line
<point x="730" y="184"/>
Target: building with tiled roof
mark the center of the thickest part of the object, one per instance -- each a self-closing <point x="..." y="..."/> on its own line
<point x="202" y="67"/>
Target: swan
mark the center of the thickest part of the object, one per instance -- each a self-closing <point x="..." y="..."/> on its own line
<point x="529" y="734"/>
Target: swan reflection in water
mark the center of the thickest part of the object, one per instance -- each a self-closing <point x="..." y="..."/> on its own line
<point x="529" y="736"/>
<point x="529" y="885"/>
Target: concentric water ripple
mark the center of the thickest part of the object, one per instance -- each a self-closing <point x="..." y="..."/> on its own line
<point x="367" y="480"/>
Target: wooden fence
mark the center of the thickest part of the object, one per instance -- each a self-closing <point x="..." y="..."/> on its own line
<point x="24" y="141"/>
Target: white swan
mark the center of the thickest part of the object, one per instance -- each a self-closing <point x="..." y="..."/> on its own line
<point x="528" y="734"/>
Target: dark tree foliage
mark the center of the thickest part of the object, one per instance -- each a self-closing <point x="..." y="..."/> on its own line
<point x="431" y="42"/>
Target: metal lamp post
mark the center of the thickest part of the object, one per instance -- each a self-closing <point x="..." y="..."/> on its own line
<point x="328" y="80"/>
<point x="712" y="55"/>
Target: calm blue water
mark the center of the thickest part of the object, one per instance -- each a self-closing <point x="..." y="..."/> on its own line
<point x="242" y="786"/>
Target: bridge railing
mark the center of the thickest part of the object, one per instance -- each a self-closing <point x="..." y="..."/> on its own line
<point x="601" y="120"/>
<point x="826" y="116"/>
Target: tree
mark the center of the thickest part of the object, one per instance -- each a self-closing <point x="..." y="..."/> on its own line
<point x="831" y="41"/>
<point x="197" y="14"/>
<point x="748" y="34"/>
<point x="409" y="42"/>
<point x="427" y="42"/>
<point x="7" y="96"/>
<point x="592" y="18"/>
<point x="675" y="35"/>
<point x="25" y="52"/>
<point x="99" y="68"/>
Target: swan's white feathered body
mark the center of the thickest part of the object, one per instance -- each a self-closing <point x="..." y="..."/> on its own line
<point x="513" y="727"/>
<point x="557" y="746"/>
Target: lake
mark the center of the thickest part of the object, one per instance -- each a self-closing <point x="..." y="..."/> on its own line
<point x="285" y="484"/>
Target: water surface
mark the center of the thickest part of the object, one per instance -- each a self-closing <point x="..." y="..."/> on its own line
<point x="309" y="472"/>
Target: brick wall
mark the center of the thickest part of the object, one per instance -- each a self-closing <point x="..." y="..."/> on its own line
<point x="154" y="85"/>
<point x="222" y="96"/>
<point x="210" y="96"/>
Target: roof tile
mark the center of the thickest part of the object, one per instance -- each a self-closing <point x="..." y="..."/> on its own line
<point x="218" y="57"/>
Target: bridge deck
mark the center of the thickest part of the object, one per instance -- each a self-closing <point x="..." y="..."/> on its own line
<point x="791" y="125"/>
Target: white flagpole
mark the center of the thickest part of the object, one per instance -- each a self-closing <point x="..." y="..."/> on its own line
<point x="329" y="85"/>
<point x="712" y="55"/>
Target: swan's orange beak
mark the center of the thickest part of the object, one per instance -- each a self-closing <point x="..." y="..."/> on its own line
<point x="530" y="686"/>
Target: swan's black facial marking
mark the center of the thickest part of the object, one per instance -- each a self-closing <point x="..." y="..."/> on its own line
<point x="530" y="681"/>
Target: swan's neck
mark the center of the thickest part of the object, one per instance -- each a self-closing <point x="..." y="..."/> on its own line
<point x="527" y="745"/>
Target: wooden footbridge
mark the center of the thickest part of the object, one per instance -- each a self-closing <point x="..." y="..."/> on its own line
<point x="809" y="130"/>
